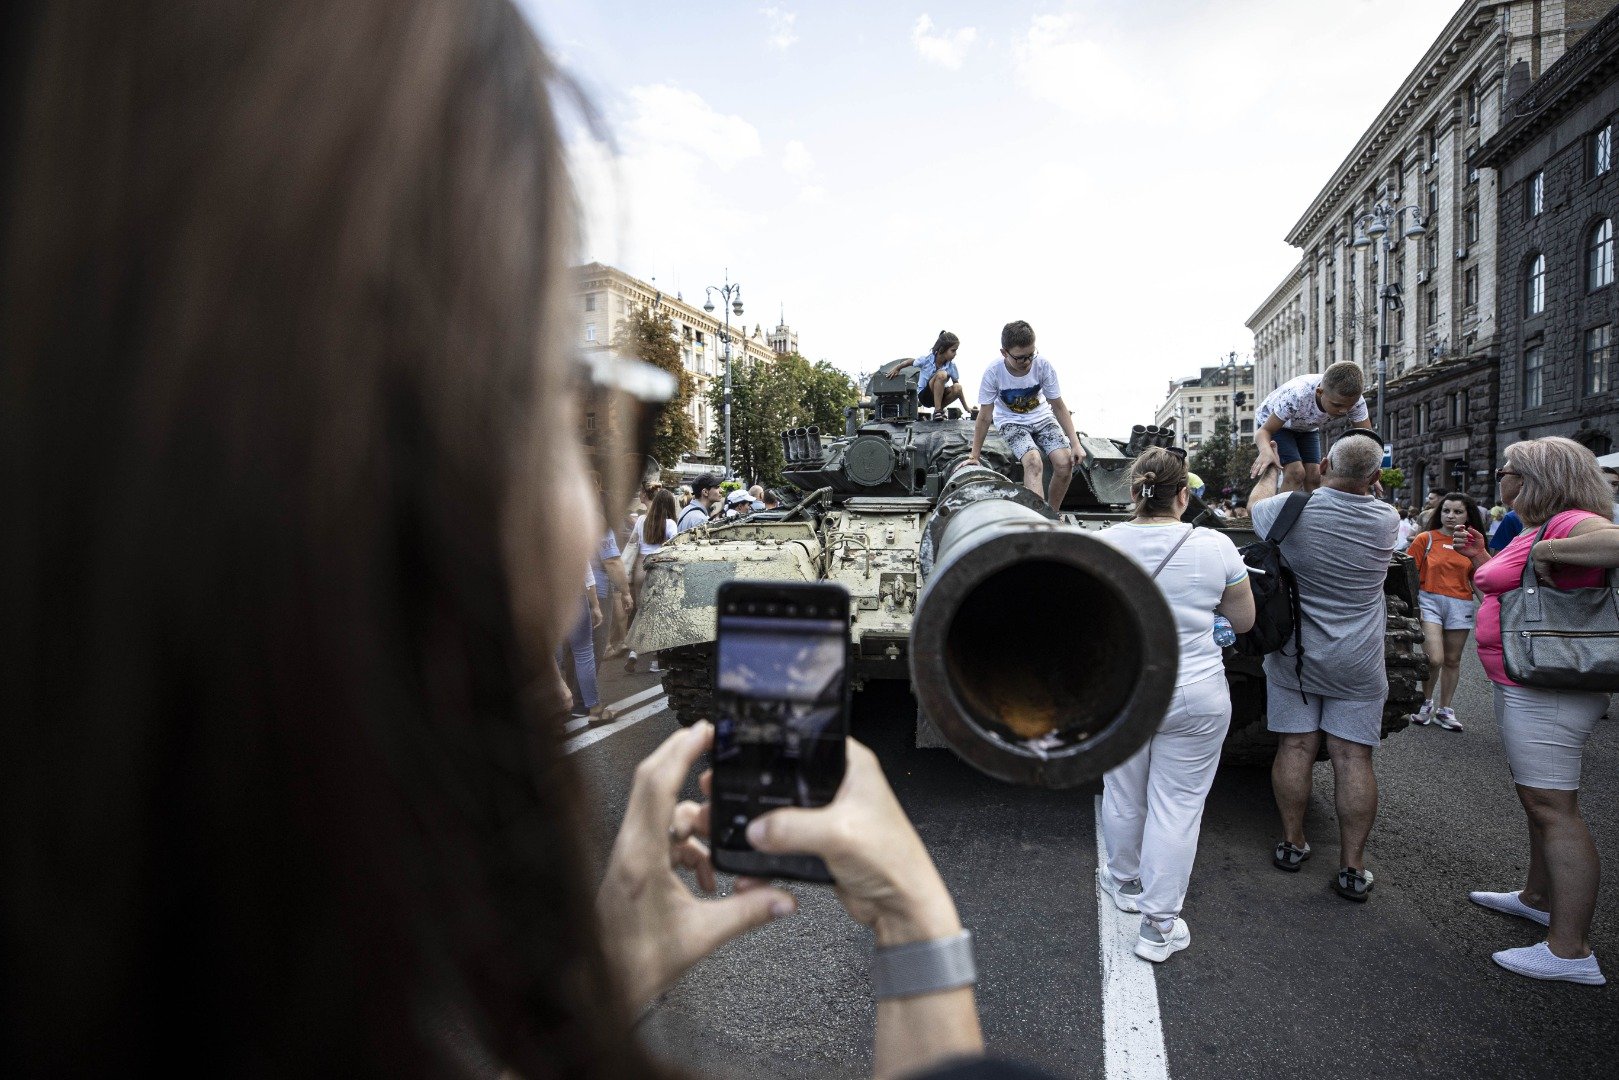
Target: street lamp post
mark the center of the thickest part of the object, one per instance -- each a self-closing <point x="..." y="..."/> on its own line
<point x="1382" y="222"/>
<point x="731" y="295"/>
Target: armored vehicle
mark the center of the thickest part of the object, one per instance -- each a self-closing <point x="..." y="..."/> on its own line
<point x="1035" y="651"/>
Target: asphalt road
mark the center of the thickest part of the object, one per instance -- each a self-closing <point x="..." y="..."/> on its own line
<point x="1282" y="975"/>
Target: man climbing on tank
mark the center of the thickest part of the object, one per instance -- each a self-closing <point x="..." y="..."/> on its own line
<point x="939" y="383"/>
<point x="1029" y="411"/>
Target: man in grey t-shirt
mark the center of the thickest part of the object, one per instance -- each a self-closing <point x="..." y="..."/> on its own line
<point x="1339" y="551"/>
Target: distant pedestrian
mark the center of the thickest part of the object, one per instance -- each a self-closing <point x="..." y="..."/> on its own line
<point x="654" y="530"/>
<point x="1497" y="512"/>
<point x="581" y="646"/>
<point x="1339" y="551"/>
<point x="1152" y="805"/>
<point x="1289" y="421"/>
<point x="706" y="493"/>
<point x="1555" y="483"/>
<point x="1408" y="526"/>
<point x="1611" y="477"/>
<point x="738" y="504"/>
<point x="1506" y="532"/>
<point x="1029" y="411"/>
<point x="1445" y="577"/>
<point x="1428" y="516"/>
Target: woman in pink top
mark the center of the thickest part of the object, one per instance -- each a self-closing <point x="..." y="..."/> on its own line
<point x="1554" y="483"/>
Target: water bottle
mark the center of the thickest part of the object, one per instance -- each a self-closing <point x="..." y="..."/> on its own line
<point x="1224" y="635"/>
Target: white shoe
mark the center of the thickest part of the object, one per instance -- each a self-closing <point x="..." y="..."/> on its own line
<point x="1446" y="718"/>
<point x="1124" y="893"/>
<point x="1510" y="903"/>
<point x="1424" y="715"/>
<point x="1157" y="946"/>
<point x="1539" y="962"/>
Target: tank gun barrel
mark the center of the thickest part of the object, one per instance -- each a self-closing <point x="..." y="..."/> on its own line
<point x="1041" y="655"/>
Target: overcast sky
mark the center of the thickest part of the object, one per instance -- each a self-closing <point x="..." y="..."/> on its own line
<point x="1120" y="173"/>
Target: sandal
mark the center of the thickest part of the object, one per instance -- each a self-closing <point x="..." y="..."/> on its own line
<point x="1290" y="858"/>
<point x="1352" y="884"/>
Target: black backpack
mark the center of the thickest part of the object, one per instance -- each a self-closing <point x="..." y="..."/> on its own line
<point x="1276" y="592"/>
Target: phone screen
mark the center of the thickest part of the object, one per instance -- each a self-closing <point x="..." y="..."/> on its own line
<point x="780" y="702"/>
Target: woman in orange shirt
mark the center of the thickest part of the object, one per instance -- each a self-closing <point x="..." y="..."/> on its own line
<point x="1448" y="606"/>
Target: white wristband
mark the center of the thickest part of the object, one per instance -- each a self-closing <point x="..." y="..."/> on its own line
<point x="923" y="967"/>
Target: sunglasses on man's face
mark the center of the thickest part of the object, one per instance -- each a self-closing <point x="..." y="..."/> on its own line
<point x="619" y="401"/>
<point x="1016" y="359"/>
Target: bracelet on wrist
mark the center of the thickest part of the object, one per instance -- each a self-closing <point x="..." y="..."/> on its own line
<point x="923" y="967"/>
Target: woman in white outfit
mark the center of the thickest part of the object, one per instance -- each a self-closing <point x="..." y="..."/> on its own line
<point x="1152" y="805"/>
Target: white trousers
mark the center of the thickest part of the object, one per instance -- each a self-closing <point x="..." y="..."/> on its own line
<point x="1152" y="805"/>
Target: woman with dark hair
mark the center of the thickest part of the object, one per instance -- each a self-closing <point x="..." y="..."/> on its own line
<point x="295" y="517"/>
<point x="1152" y="805"/>
<point x="940" y="382"/>
<point x="1554" y="486"/>
<point x="1445" y="578"/>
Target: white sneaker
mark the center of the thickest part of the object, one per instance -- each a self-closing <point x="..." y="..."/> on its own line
<point x="1539" y="962"/>
<point x="1157" y="946"/>
<point x="1423" y="715"/>
<point x="1124" y="893"/>
<point x="1446" y="718"/>
<point x="1510" y="903"/>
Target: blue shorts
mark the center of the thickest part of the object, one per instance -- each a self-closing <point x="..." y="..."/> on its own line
<point x="1294" y="446"/>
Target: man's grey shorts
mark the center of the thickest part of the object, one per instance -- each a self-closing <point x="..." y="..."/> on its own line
<point x="1022" y="438"/>
<point x="1447" y="611"/>
<point x="1350" y="720"/>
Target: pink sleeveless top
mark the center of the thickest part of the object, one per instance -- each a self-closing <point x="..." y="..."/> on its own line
<point x="1505" y="573"/>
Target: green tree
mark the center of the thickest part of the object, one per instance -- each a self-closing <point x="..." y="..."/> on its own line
<point x="1225" y="462"/>
<point x="769" y="397"/>
<point x="650" y="336"/>
<point x="1393" y="479"/>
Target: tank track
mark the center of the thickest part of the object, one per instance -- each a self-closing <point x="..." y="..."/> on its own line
<point x="688" y="679"/>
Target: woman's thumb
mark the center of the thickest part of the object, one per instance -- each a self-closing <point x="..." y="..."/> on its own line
<point x="788" y="830"/>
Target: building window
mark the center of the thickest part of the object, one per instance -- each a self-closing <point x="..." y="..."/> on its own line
<point x="1534" y="195"/>
<point x="1472" y="105"/>
<point x="1470" y="286"/>
<point x="1472" y="168"/>
<point x="1532" y="358"/>
<point x="1599" y="256"/>
<point x="1432" y="305"/>
<point x="1598" y="359"/>
<point x="1602" y="150"/>
<point x="1534" y="300"/>
<point x="1458" y="408"/>
<point x="1433" y="253"/>
<point x="1419" y="420"/>
<point x="1195" y="427"/>
<point x="1472" y="224"/>
<point x="590" y="331"/>
<point x="1433" y="197"/>
<point x="590" y="302"/>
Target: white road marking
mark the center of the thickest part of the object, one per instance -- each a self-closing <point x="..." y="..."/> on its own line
<point x="628" y="720"/>
<point x="1132" y="1031"/>
<point x="616" y="708"/>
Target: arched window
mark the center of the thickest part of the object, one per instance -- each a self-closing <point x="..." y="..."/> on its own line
<point x="1534" y="299"/>
<point x="1599" y="256"/>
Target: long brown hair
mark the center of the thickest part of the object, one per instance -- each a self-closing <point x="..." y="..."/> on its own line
<point x="655" y="529"/>
<point x="277" y="298"/>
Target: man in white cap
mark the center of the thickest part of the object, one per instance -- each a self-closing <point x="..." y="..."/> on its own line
<point x="738" y="504"/>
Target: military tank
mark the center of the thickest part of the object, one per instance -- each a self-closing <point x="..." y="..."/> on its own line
<point x="950" y="567"/>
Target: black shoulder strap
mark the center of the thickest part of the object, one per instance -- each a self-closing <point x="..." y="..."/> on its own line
<point x="693" y="505"/>
<point x="1288" y="515"/>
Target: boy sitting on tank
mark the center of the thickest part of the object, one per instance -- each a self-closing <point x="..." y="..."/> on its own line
<point x="1288" y="424"/>
<point x="1029" y="411"/>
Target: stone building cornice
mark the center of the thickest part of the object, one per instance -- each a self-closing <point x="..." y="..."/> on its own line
<point x="1593" y="59"/>
<point x="1470" y="23"/>
<point x="1262" y="314"/>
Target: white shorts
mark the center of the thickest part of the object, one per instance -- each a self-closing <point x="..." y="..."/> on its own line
<point x="1353" y="721"/>
<point x="1447" y="611"/>
<point x="1544" y="733"/>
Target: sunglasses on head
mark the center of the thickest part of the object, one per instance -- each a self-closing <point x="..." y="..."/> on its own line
<point x="619" y="400"/>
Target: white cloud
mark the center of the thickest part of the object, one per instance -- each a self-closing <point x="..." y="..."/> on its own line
<point x="948" y="48"/>
<point x="678" y="120"/>
<point x="796" y="159"/>
<point x="783" y="26"/>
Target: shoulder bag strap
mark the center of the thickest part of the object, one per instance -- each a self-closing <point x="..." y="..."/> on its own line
<point x="1184" y="537"/>
<point x="1289" y="514"/>
<point x="1529" y="583"/>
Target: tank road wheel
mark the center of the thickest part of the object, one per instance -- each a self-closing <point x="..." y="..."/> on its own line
<point x="688" y="679"/>
<point x="1407" y="666"/>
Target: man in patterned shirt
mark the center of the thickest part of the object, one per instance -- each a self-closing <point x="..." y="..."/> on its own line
<point x="1288" y="425"/>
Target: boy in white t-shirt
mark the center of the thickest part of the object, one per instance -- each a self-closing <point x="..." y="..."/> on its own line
<point x="1029" y="411"/>
<point x="1288" y="424"/>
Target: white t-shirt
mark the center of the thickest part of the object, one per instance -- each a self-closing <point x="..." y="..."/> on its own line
<point x="1294" y="401"/>
<point x="1020" y="399"/>
<point x="640" y="537"/>
<point x="1408" y="529"/>
<point x="1193" y="582"/>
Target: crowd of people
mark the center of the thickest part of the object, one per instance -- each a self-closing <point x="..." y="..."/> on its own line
<point x="297" y="521"/>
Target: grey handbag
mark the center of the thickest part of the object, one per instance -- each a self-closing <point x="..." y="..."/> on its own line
<point x="1561" y="639"/>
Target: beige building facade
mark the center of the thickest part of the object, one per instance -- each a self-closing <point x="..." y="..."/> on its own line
<point x="1196" y="402"/>
<point x="1418" y="161"/>
<point x="605" y="296"/>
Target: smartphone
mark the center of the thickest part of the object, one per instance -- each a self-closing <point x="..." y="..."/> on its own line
<point x="781" y="714"/>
